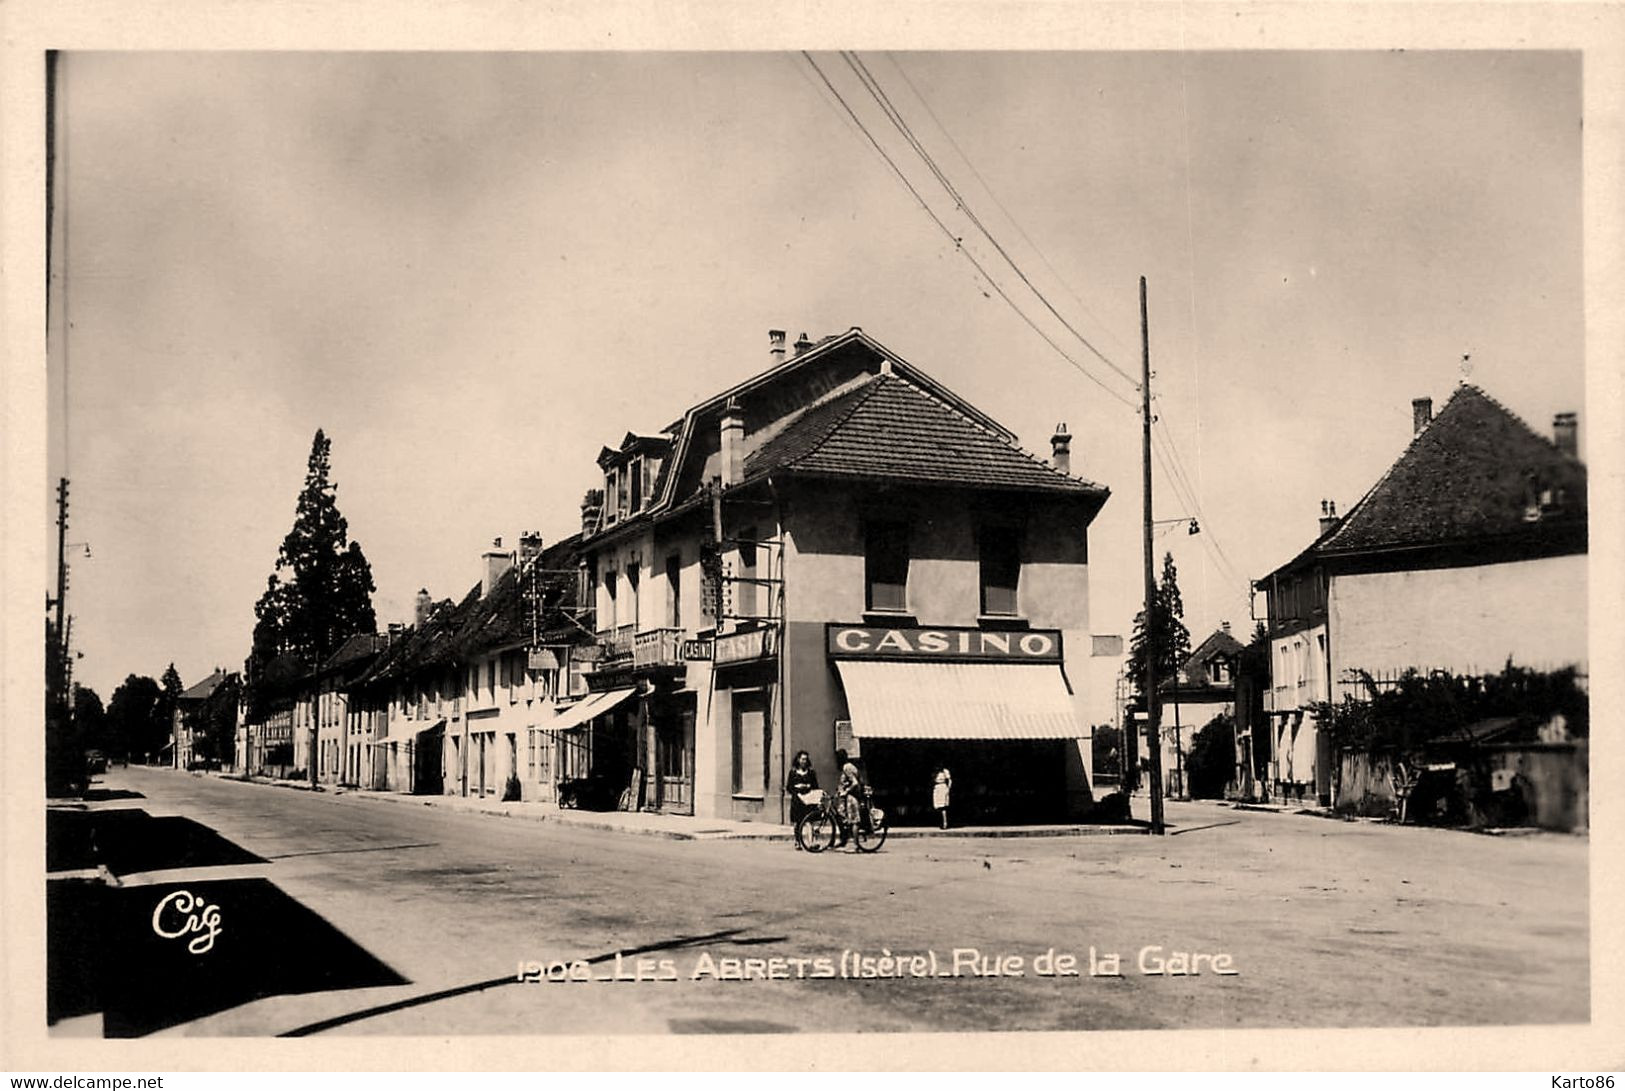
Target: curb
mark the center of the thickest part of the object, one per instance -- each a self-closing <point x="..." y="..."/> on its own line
<point x="774" y="833"/>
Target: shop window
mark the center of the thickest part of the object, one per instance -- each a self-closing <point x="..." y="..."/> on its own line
<point x="1000" y="549"/>
<point x="750" y="744"/>
<point x="885" y="566"/>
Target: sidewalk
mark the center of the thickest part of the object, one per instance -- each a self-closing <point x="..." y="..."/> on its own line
<point x="672" y="827"/>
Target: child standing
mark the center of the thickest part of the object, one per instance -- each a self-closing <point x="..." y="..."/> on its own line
<point x="941" y="787"/>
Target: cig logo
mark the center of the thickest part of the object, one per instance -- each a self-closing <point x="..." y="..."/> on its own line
<point x="184" y="913"/>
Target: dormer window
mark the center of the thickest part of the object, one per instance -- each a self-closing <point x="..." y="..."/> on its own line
<point x="612" y="478"/>
<point x="637" y="485"/>
<point x="622" y="492"/>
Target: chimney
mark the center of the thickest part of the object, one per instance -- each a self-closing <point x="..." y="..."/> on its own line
<point x="803" y="344"/>
<point x="1421" y="413"/>
<point x="497" y="564"/>
<point x="592" y="506"/>
<point x="733" y="444"/>
<point x="1566" y="434"/>
<point x="395" y="632"/>
<point x="1225" y="625"/>
<point x="424" y="603"/>
<point x="530" y="546"/>
<point x="775" y="346"/>
<point x="1061" y="448"/>
<point x="1328" y="516"/>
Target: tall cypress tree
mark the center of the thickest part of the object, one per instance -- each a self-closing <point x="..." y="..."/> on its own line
<point x="321" y="591"/>
<point x="1173" y="640"/>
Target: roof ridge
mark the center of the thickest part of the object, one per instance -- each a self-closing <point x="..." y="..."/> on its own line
<point x="1004" y="440"/>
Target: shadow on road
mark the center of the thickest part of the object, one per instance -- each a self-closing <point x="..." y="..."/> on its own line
<point x="153" y="957"/>
<point x="1209" y="826"/>
<point x="131" y="840"/>
<point x="510" y="979"/>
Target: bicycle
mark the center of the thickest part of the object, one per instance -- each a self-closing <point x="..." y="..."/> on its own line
<point x="819" y="827"/>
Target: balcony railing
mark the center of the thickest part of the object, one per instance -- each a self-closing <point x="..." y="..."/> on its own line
<point x="658" y="648"/>
<point x="617" y="645"/>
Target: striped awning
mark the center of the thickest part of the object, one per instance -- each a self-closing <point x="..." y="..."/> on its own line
<point x="891" y="700"/>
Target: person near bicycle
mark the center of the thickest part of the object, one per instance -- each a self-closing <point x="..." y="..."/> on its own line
<point x="852" y="795"/>
<point x="803" y="779"/>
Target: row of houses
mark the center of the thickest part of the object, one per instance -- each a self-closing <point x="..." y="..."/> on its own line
<point x="1469" y="553"/>
<point x="841" y="553"/>
<point x="837" y="553"/>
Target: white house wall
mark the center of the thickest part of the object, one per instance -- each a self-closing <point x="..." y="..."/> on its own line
<point x="1468" y="620"/>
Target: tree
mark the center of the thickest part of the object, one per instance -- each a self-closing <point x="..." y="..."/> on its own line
<point x="64" y="750"/>
<point x="320" y="593"/>
<point x="214" y="724"/>
<point x="1173" y="640"/>
<point x="89" y="717"/>
<point x="1212" y="760"/>
<point x="133" y="715"/>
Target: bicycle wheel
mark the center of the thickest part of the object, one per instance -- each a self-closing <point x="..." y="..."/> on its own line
<point x="871" y="839"/>
<point x="816" y="831"/>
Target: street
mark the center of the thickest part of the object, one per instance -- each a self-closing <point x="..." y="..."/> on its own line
<point x="389" y="917"/>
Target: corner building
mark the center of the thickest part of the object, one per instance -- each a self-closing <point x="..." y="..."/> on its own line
<point x="839" y="552"/>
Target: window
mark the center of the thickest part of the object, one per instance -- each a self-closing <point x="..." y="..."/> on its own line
<point x="750" y="741"/>
<point x="491" y="678"/>
<point x="885" y="566"/>
<point x="609" y="596"/>
<point x="745" y="591"/>
<point x="612" y="480"/>
<point x="1001" y="569"/>
<point x="674" y="591"/>
<point x="624" y="479"/>
<point x="634" y="471"/>
<point x="632" y="591"/>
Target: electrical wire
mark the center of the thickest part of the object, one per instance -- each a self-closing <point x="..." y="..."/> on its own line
<point x="959" y="245"/>
<point x="878" y="93"/>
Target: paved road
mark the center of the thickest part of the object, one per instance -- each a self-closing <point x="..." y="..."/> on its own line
<point x="1327" y="923"/>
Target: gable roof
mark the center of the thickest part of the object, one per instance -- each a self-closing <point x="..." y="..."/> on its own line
<point x="889" y="428"/>
<point x="203" y="689"/>
<point x="1193" y="672"/>
<point x="1469" y="475"/>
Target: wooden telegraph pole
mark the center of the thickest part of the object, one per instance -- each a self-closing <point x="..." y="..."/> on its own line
<point x="1152" y="731"/>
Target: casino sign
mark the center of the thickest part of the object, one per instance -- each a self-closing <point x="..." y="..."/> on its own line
<point x="943" y="643"/>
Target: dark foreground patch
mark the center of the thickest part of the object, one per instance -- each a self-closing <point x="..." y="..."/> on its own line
<point x="156" y="956"/>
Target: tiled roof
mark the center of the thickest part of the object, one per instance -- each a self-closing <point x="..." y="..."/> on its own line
<point x="888" y="428"/>
<point x="1193" y="672"/>
<point x="201" y="690"/>
<point x="1471" y="474"/>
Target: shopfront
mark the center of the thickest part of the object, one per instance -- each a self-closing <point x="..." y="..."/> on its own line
<point x="994" y="707"/>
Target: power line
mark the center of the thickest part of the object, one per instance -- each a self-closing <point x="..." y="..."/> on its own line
<point x="1009" y="217"/>
<point x="878" y="93"/>
<point x="959" y="246"/>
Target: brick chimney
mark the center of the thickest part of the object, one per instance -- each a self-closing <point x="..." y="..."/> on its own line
<point x="592" y="506"/>
<point x="803" y="344"/>
<point x="1328" y="516"/>
<point x="1060" y="445"/>
<point x="1421" y="413"/>
<point x="1566" y="433"/>
<point x="497" y="563"/>
<point x="775" y="346"/>
<point x="733" y="444"/>
<point x="424" y="604"/>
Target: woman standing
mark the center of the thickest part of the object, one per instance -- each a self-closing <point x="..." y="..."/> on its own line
<point x="942" y="785"/>
<point x="802" y="779"/>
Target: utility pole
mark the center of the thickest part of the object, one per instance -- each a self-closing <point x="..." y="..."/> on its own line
<point x="1152" y="733"/>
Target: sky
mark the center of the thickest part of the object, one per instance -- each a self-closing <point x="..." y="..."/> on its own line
<point x="474" y="270"/>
